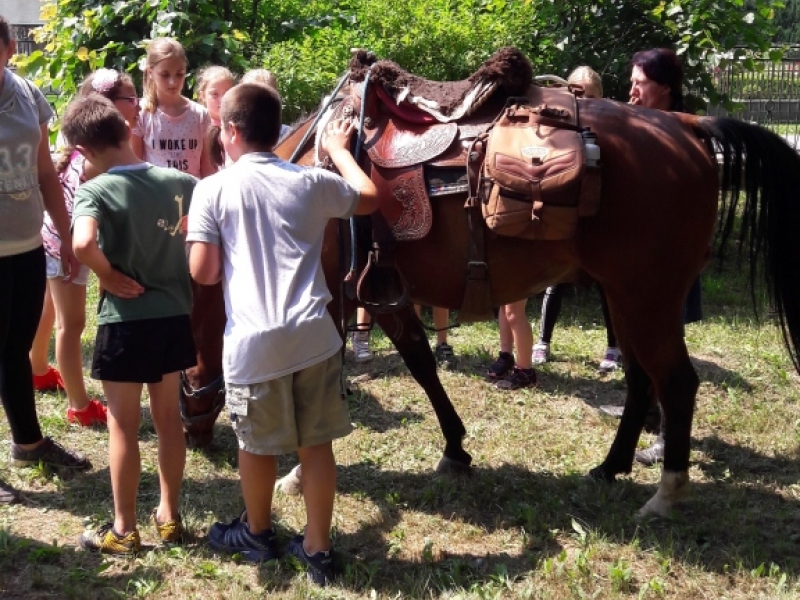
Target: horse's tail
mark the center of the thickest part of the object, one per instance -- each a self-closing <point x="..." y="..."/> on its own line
<point x="764" y="167"/>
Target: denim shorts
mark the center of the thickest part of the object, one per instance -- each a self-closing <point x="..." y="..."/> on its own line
<point x="55" y="270"/>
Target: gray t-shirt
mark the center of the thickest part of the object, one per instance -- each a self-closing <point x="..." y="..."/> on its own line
<point x="23" y="110"/>
<point x="269" y="218"/>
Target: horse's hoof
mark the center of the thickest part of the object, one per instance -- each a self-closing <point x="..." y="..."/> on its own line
<point x="290" y="483"/>
<point x="674" y="486"/>
<point x="600" y="474"/>
<point x="448" y="465"/>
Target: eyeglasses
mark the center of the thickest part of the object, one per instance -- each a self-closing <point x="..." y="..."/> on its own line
<point x="132" y="99"/>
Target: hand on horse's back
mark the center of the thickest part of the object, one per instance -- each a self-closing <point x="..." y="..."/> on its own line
<point x="336" y="142"/>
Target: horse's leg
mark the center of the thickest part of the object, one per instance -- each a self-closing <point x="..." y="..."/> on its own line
<point x="656" y="363"/>
<point x="408" y="336"/>
<point x="637" y="404"/>
<point x="677" y="390"/>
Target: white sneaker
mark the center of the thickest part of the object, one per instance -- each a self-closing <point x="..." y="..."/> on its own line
<point x="611" y="361"/>
<point x="361" y="347"/>
<point x="541" y="353"/>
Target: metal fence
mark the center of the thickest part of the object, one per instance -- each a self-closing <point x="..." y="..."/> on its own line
<point x="769" y="96"/>
<point x="25" y="42"/>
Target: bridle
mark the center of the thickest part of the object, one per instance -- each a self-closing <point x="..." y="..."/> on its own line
<point x="216" y="387"/>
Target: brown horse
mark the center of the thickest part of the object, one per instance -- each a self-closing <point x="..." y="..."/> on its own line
<point x="645" y="246"/>
<point x="202" y="386"/>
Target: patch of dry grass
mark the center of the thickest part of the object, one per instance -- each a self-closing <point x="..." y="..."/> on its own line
<point x="526" y="524"/>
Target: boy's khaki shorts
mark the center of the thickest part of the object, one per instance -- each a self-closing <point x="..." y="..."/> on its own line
<point x="299" y="410"/>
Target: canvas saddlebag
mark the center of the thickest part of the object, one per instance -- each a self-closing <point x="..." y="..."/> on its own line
<point x="532" y="173"/>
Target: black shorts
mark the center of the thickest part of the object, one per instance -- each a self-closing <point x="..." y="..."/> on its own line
<point x="143" y="351"/>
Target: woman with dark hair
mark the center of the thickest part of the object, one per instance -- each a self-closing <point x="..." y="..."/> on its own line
<point x="657" y="82"/>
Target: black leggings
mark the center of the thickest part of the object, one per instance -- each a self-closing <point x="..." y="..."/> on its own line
<point x="22" y="285"/>
<point x="551" y="307"/>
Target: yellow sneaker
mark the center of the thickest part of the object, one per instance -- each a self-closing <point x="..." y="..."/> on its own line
<point x="106" y="540"/>
<point x="170" y="532"/>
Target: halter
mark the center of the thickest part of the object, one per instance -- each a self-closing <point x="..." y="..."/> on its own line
<point x="187" y="391"/>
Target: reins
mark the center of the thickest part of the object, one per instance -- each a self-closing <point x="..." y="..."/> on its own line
<point x="298" y="150"/>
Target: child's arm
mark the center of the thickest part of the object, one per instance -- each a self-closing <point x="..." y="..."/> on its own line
<point x="205" y="263"/>
<point x="336" y="141"/>
<point x="137" y="144"/>
<point x="206" y="166"/>
<point x="84" y="243"/>
<point x="53" y="198"/>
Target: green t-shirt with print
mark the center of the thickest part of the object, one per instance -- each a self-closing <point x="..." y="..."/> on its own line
<point x="140" y="211"/>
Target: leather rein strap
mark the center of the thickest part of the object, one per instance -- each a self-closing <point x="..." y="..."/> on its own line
<point x="477" y="303"/>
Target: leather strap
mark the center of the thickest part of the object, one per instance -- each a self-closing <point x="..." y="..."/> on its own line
<point x="477" y="303"/>
<point x="381" y="286"/>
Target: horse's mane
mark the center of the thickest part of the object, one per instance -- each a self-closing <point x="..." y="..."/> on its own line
<point x="300" y="121"/>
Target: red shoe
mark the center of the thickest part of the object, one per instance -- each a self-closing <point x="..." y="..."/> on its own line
<point x="93" y="414"/>
<point x="48" y="382"/>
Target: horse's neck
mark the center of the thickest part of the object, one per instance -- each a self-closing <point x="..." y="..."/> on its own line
<point x="287" y="147"/>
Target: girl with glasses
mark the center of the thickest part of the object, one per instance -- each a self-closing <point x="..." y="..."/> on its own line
<point x="65" y="303"/>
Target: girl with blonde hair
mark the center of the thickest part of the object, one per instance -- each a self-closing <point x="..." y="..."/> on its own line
<point x="211" y="84"/>
<point x="171" y="129"/>
<point x="589" y="79"/>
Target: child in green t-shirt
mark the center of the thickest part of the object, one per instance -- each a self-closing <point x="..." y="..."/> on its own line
<point x="128" y="227"/>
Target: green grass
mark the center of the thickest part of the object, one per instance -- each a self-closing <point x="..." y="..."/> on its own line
<point x="526" y="524"/>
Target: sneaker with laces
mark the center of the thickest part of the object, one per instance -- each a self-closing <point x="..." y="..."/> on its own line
<point x="361" y="347"/>
<point x="235" y="538"/>
<point x="611" y="361"/>
<point x="95" y="413"/>
<point x="445" y="356"/>
<point x="501" y="367"/>
<point x="51" y="454"/>
<point x="108" y="541"/>
<point x="169" y="532"/>
<point x="49" y="382"/>
<point x="541" y="353"/>
<point x="319" y="565"/>
<point x="517" y="379"/>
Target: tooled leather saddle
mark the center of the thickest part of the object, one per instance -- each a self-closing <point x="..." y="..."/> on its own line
<point x="421" y="137"/>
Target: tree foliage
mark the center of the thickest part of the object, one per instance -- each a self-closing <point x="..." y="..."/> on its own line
<point x="307" y="42"/>
<point x="787" y="23"/>
<point x="443" y="39"/>
<point x="81" y="36"/>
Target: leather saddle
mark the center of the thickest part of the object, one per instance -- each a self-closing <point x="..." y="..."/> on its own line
<point x="407" y="145"/>
<point x="413" y="125"/>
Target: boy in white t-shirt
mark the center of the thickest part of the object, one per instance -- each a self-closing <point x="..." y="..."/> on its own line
<point x="258" y="226"/>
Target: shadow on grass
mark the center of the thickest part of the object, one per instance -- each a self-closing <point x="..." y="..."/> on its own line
<point x="733" y="521"/>
<point x="723" y="525"/>
<point x="30" y="569"/>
